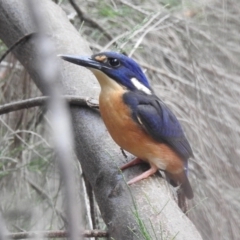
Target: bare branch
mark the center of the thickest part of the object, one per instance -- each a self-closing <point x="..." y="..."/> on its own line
<point x="84" y="17"/>
<point x="55" y="234"/>
<point x="39" y="101"/>
<point x="22" y="40"/>
<point x="45" y="196"/>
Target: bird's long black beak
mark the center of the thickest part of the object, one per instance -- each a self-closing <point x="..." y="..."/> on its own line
<point x="82" y="61"/>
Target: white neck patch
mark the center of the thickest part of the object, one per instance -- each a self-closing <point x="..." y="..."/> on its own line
<point x="140" y="86"/>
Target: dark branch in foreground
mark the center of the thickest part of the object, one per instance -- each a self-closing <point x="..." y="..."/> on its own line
<point x="22" y="40"/>
<point x="91" y="22"/>
<point x="39" y="101"/>
<point x="55" y="234"/>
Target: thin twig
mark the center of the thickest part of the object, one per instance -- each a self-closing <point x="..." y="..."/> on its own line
<point x="91" y="201"/>
<point x="84" y="17"/>
<point x="123" y="153"/>
<point x="39" y="101"/>
<point x="131" y="34"/>
<point x="146" y="31"/>
<point x="45" y="196"/>
<point x="137" y="8"/>
<point x="55" y="234"/>
<point x="20" y="41"/>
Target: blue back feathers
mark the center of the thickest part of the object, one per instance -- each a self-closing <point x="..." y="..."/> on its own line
<point x="159" y="121"/>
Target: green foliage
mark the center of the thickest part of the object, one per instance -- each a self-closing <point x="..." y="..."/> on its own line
<point x="106" y="10"/>
<point x="171" y="3"/>
<point x="37" y="165"/>
<point x="3" y="47"/>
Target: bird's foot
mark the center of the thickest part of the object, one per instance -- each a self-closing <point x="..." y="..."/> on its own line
<point x="144" y="175"/>
<point x="134" y="162"/>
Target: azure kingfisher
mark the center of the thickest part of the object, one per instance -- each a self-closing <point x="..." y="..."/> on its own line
<point x="137" y="120"/>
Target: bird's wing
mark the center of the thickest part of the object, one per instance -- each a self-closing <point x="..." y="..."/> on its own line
<point x="160" y="123"/>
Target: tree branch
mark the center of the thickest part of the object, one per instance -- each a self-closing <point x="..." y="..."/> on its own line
<point x="39" y="101"/>
<point x="92" y="23"/>
<point x="55" y="234"/>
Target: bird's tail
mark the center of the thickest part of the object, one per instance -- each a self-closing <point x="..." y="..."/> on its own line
<point x="181" y="180"/>
<point x="184" y="191"/>
<point x="187" y="189"/>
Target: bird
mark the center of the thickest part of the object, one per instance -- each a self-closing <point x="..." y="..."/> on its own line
<point x="137" y="119"/>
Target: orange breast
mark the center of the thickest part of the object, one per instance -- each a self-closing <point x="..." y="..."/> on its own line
<point x="131" y="137"/>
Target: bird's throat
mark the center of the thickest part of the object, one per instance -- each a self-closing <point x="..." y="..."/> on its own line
<point x="107" y="84"/>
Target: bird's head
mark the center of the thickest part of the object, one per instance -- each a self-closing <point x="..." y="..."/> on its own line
<point x="114" y="67"/>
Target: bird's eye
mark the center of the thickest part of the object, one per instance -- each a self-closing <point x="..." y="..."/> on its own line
<point x="114" y="62"/>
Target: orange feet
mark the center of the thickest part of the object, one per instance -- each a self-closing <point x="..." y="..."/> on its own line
<point x="135" y="161"/>
<point x="144" y="175"/>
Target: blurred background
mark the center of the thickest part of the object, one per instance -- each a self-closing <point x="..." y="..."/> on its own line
<point x="191" y="54"/>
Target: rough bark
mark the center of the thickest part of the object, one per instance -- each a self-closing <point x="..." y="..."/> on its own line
<point x="121" y="206"/>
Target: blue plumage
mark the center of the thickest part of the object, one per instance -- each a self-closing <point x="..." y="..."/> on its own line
<point x="147" y="109"/>
<point x="158" y="120"/>
<point x="149" y="113"/>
